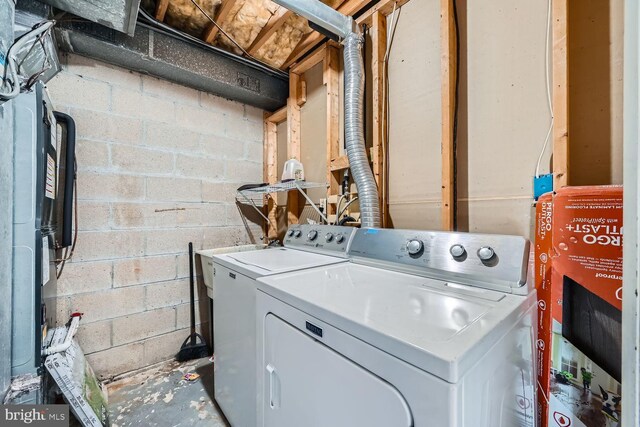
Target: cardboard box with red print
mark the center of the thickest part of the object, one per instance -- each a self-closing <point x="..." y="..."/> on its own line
<point x="578" y="274"/>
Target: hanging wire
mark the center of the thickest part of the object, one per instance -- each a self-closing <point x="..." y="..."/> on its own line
<point x="548" y="84"/>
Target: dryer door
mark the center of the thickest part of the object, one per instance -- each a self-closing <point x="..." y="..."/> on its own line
<point x="308" y="384"/>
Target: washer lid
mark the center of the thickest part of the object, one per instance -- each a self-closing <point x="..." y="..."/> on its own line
<point x="273" y="261"/>
<point x="440" y="327"/>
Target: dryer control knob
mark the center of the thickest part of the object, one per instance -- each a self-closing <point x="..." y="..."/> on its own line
<point x="457" y="251"/>
<point x="339" y="239"/>
<point x="290" y="233"/>
<point x="312" y="235"/>
<point x="414" y="247"/>
<point x="328" y="237"/>
<point x="297" y="233"/>
<point x="485" y="253"/>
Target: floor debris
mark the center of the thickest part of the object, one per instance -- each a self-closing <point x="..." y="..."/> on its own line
<point x="162" y="396"/>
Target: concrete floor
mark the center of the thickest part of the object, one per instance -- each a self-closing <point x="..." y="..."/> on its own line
<point x="161" y="397"/>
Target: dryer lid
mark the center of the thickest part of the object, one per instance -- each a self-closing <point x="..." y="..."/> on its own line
<point x="442" y="328"/>
<point x="273" y="261"/>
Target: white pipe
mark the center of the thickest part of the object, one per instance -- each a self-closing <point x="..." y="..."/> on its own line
<point x="73" y="328"/>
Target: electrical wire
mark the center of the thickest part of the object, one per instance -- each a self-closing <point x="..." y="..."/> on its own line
<point x="548" y="84"/>
<point x="223" y="31"/>
<point x="68" y="253"/>
<point x="347" y="206"/>
<point x="456" y="114"/>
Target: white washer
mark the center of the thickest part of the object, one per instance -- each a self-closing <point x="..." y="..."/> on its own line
<point x="234" y="308"/>
<point x="406" y="335"/>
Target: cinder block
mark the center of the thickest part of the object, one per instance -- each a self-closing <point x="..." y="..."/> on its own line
<point x="221" y="105"/>
<point x="95" y="336"/>
<point x="92" y="155"/>
<point x="222" y="146"/>
<point x="63" y="311"/>
<point x="71" y="89"/>
<point x="253" y="151"/>
<point x="144" y="215"/>
<point x="93" y="215"/>
<point x="173" y="189"/>
<point x="199" y="167"/>
<point x="183" y="317"/>
<point x="141" y="160"/>
<point x="143" y="325"/>
<point x="96" y="245"/>
<point x="108" y="304"/>
<point x="241" y="128"/>
<point x="219" y="192"/>
<point x="201" y="214"/>
<point x="171" y="137"/>
<point x="166" y="294"/>
<point x="173" y="240"/>
<point x="141" y="105"/>
<point x="244" y="171"/>
<point x="109" y="186"/>
<point x="107" y="127"/>
<point x="200" y="120"/>
<point x="254" y="114"/>
<point x="137" y="271"/>
<point x="117" y="360"/>
<point x="164" y="347"/>
<point x="80" y="277"/>
<point x="94" y="69"/>
<point x="170" y="91"/>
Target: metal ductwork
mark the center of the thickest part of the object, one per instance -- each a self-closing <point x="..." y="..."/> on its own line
<point x="344" y="27"/>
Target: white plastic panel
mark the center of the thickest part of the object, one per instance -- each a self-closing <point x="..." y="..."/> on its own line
<point x="234" y="325"/>
<point x="308" y="384"/>
<point x="274" y="261"/>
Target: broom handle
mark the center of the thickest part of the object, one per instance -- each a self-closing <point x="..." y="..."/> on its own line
<point x="192" y="293"/>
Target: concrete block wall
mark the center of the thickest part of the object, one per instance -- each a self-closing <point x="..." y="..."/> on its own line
<point x="157" y="168"/>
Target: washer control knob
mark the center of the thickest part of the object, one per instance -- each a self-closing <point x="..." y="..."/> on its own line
<point x="297" y="233"/>
<point x="457" y="251"/>
<point x="414" y="246"/>
<point x="312" y="235"/>
<point x="339" y="239"/>
<point x="290" y="233"/>
<point x="328" y="237"/>
<point x="485" y="253"/>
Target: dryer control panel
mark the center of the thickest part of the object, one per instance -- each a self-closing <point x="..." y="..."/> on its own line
<point x="491" y="261"/>
<point x="328" y="239"/>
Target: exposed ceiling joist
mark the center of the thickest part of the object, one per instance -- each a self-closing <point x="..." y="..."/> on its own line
<point x="161" y="9"/>
<point x="276" y="21"/>
<point x="223" y="12"/>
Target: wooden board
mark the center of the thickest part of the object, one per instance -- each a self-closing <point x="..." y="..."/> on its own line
<point x="161" y="9"/>
<point x="449" y="69"/>
<point x="560" y="71"/>
<point x="378" y="33"/>
<point x="276" y="21"/>
<point x="221" y="15"/>
<point x="270" y="172"/>
<point x="331" y="80"/>
<point x="295" y="201"/>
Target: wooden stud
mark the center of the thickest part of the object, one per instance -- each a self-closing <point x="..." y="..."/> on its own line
<point x="307" y="63"/>
<point x="449" y="67"/>
<point x="339" y="163"/>
<point x="161" y="9"/>
<point x="560" y="72"/>
<point x="331" y="80"/>
<point x="274" y="23"/>
<point x="278" y="116"/>
<point x="378" y="33"/>
<point x="295" y="201"/>
<point x="384" y="7"/>
<point x="270" y="172"/>
<point x="221" y="15"/>
<point x="302" y="91"/>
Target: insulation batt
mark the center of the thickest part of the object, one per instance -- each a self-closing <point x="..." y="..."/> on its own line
<point x="244" y="22"/>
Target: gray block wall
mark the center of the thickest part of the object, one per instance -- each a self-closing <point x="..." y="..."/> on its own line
<point x="6" y="206"/>
<point x="158" y="164"/>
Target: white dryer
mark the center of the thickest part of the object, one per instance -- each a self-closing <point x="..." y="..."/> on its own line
<point x="422" y="329"/>
<point x="234" y="308"/>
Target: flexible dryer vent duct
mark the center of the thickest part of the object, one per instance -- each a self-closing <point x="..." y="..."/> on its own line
<point x="333" y="21"/>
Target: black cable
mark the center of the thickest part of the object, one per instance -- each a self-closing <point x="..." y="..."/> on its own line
<point x="455" y="118"/>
